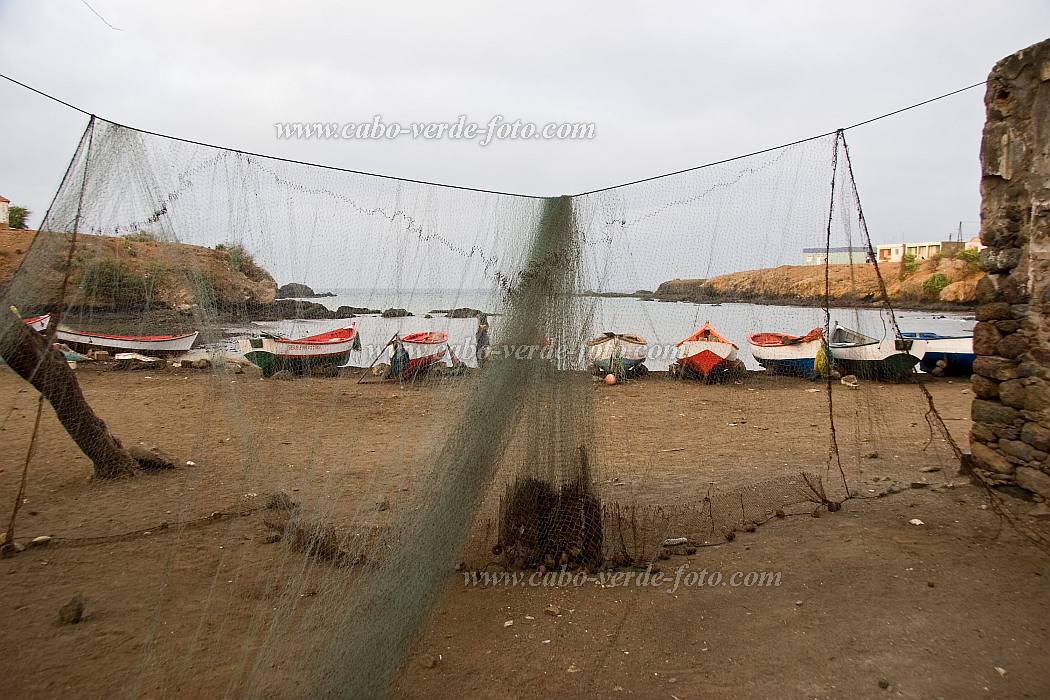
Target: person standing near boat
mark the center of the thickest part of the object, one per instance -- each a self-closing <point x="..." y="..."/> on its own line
<point x="481" y="340"/>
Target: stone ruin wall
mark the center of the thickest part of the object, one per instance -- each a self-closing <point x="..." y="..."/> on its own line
<point x="1010" y="439"/>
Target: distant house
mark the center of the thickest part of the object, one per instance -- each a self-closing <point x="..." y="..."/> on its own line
<point x="975" y="244"/>
<point x="5" y="210"/>
<point x="895" y="252"/>
<point x="845" y="255"/>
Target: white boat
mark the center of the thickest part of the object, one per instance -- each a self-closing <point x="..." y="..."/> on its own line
<point x="274" y="354"/>
<point x="618" y="353"/>
<point x="38" y="323"/>
<point x="706" y="355"/>
<point x="870" y="358"/>
<point x="952" y="354"/>
<point x="146" y="344"/>
<point x="780" y="353"/>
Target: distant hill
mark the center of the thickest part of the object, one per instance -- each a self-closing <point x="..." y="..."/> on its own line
<point x="937" y="282"/>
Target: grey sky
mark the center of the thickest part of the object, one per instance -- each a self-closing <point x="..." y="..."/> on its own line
<point x="668" y="85"/>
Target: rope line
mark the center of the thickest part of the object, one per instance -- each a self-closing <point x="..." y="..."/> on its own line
<point x="481" y="189"/>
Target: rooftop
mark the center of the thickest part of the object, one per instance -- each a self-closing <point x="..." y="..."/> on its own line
<point x="841" y="249"/>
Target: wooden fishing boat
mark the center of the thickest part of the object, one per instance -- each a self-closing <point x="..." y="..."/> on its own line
<point x="621" y="354"/>
<point x="706" y="355"/>
<point x="300" y="355"/>
<point x="951" y="354"/>
<point x="799" y="356"/>
<point x="38" y="323"/>
<point x="145" y="344"/>
<point x="869" y="358"/>
<point x="415" y="353"/>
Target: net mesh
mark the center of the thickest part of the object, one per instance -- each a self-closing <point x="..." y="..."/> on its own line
<point x="394" y="460"/>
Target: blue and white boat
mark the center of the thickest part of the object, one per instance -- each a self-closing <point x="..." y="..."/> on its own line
<point x="951" y="353"/>
<point x="799" y="356"/>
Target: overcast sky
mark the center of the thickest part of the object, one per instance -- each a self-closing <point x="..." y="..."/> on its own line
<point x="668" y="86"/>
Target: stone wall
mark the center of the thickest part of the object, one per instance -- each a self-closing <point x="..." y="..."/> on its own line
<point x="1010" y="440"/>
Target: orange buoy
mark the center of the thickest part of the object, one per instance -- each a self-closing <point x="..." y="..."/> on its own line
<point x="610" y="379"/>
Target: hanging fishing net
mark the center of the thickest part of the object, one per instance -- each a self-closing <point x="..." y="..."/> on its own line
<point x="495" y="383"/>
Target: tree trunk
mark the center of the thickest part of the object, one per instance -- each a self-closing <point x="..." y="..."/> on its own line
<point x="25" y="352"/>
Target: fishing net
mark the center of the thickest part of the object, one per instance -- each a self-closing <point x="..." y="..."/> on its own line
<point x="317" y="505"/>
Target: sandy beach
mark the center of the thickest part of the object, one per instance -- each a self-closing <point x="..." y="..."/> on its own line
<point x="864" y="598"/>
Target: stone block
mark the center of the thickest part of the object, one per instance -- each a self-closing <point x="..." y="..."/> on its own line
<point x="996" y="368"/>
<point x="1037" y="436"/>
<point x="982" y="433"/>
<point x="986" y="338"/>
<point x="987" y="290"/>
<point x="1009" y="326"/>
<point x="989" y="459"/>
<point x="984" y="388"/>
<point x="1011" y="346"/>
<point x="1034" y="480"/>
<point x="1021" y="450"/>
<point x="993" y="311"/>
<point x="1037" y="395"/>
<point x="1012" y="393"/>
<point x="992" y="412"/>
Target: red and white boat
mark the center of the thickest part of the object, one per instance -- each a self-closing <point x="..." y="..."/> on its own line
<point x="416" y="352"/>
<point x="274" y="354"/>
<point x="38" y="323"/>
<point x="706" y="355"/>
<point x="144" y="344"/>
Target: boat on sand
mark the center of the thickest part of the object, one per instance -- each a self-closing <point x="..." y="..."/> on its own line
<point x="708" y="356"/>
<point x="301" y="355"/>
<point x="620" y="354"/>
<point x="799" y="356"/>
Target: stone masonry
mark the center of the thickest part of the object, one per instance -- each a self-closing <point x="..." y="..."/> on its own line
<point x="1010" y="440"/>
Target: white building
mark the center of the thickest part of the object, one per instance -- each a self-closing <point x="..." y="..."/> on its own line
<point x="895" y="252"/>
<point x="5" y="205"/>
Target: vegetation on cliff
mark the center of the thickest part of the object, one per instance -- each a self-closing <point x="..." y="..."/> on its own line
<point x="939" y="281"/>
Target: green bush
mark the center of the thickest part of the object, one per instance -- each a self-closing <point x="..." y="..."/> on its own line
<point x="237" y="257"/>
<point x="140" y="237"/>
<point x="969" y="256"/>
<point x="933" y="286"/>
<point x="910" y="263"/>
<point x="111" y="281"/>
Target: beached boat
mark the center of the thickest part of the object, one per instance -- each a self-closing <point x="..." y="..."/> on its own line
<point x="415" y="353"/>
<point x="300" y="355"/>
<point x="800" y="356"/>
<point x="620" y="354"/>
<point x="706" y="355"/>
<point x="38" y="323"/>
<point x="869" y="358"/>
<point x="952" y="354"/>
<point x="145" y="344"/>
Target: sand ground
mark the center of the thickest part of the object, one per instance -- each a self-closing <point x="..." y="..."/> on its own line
<point x="180" y="604"/>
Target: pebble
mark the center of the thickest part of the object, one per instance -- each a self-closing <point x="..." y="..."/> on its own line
<point x="72" y="612"/>
<point x="552" y="610"/>
<point x="427" y="661"/>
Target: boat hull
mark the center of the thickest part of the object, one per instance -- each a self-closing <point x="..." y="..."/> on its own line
<point x="416" y="353"/>
<point x="953" y="355"/>
<point x="617" y="355"/>
<point x="707" y="361"/>
<point x="38" y="323"/>
<point x="147" y="345"/>
<point x="895" y="367"/>
<point x="805" y="359"/>
<point x="274" y="355"/>
<point x="271" y="363"/>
